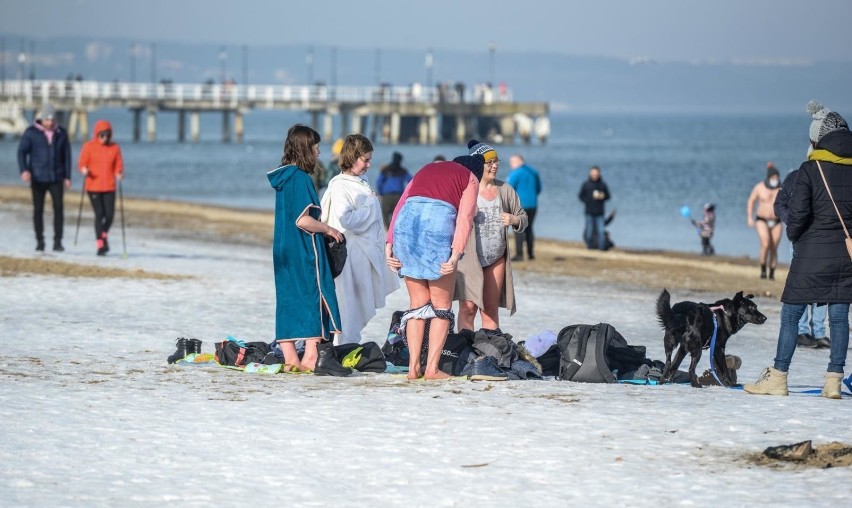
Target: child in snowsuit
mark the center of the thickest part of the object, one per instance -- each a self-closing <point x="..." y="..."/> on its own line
<point x="706" y="226"/>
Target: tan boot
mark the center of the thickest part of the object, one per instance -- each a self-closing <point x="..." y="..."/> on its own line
<point x="771" y="382"/>
<point x="831" y="388"/>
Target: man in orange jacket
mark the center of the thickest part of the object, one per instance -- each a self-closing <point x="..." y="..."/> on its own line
<point x="100" y="163"/>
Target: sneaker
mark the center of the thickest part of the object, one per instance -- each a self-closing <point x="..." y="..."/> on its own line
<point x="732" y="362"/>
<point x="831" y="389"/>
<point x="823" y="342"/>
<point x="772" y="382"/>
<point x="805" y="340"/>
<point x="486" y="369"/>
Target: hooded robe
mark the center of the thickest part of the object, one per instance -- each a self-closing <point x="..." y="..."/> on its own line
<point x="305" y="302"/>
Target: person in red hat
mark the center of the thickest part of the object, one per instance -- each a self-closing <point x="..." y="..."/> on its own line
<point x="101" y="165"/>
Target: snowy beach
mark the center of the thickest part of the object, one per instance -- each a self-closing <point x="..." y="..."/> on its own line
<point x="94" y="416"/>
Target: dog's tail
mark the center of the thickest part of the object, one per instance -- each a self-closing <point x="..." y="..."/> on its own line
<point x="665" y="316"/>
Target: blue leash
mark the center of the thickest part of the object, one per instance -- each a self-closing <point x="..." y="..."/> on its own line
<point x="713" y="348"/>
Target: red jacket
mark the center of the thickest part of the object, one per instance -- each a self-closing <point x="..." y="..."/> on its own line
<point x="103" y="161"/>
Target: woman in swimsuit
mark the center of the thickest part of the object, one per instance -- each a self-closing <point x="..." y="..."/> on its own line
<point x="767" y="224"/>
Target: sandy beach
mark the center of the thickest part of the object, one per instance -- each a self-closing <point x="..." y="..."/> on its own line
<point x="94" y="416"/>
<point x="649" y="269"/>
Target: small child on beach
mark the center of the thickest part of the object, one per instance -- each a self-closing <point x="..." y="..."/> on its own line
<point x="706" y="226"/>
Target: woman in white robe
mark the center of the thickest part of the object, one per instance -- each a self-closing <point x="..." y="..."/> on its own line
<point x="350" y="206"/>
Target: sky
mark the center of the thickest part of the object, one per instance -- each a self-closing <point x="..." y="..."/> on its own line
<point x="663" y="30"/>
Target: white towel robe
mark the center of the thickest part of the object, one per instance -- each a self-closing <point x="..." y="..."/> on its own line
<point x="350" y="206"/>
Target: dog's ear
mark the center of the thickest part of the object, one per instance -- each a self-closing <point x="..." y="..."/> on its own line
<point x="738" y="296"/>
<point x="750" y="297"/>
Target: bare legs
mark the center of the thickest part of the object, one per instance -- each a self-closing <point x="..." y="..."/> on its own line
<point x="769" y="240"/>
<point x="775" y="240"/>
<point x="492" y="288"/>
<point x="421" y="292"/>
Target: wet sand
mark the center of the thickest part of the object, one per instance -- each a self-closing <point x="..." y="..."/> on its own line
<point x="676" y="271"/>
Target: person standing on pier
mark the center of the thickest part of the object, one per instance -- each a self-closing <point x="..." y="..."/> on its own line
<point x="101" y="165"/>
<point x="44" y="161"/>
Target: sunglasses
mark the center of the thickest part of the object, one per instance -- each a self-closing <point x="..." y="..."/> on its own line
<point x="104" y="134"/>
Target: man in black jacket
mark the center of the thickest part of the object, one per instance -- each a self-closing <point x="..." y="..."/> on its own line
<point x="593" y="193"/>
<point x="44" y="160"/>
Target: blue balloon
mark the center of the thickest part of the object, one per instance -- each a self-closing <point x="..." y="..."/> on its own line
<point x="685" y="211"/>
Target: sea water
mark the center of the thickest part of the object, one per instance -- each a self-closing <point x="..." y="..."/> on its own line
<point x="653" y="164"/>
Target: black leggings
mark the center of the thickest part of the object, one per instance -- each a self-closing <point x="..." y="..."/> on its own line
<point x="56" y="191"/>
<point x="103" y="203"/>
<point x="527" y="236"/>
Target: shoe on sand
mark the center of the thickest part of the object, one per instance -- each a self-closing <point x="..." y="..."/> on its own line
<point x="772" y="382"/>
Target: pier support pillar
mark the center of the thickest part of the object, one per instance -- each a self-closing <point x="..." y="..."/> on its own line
<point x="315" y="120"/>
<point x="394" y="128"/>
<point x="83" y="121"/>
<point x="239" y="126"/>
<point x="433" y="129"/>
<point x="72" y="126"/>
<point x="461" y="129"/>
<point x="327" y="124"/>
<point x="194" y="127"/>
<point x="506" y="126"/>
<point x="137" y="125"/>
<point x="344" y="123"/>
<point x="357" y="124"/>
<point x="226" y="126"/>
<point x="181" y="126"/>
<point x="152" y="125"/>
<point x="374" y="128"/>
<point x="423" y="130"/>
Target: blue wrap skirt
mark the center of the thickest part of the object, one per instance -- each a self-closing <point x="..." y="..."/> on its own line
<point x="423" y="236"/>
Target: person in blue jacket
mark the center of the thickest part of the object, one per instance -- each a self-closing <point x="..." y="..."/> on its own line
<point x="527" y="184"/>
<point x="44" y="161"/>
<point x="390" y="184"/>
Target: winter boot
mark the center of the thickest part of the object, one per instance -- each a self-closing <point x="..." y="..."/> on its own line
<point x="181" y="351"/>
<point x="193" y="346"/>
<point x="762" y="271"/>
<point x="831" y="388"/>
<point x="40" y="245"/>
<point x="57" y="246"/>
<point x="327" y="363"/>
<point x="771" y="382"/>
<point x="771" y="273"/>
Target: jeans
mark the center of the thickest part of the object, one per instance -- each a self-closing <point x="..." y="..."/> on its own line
<point x="838" y="321"/>
<point x="594" y="232"/>
<point x="813" y="322"/>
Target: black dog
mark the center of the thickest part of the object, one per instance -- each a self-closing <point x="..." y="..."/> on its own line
<point x="690" y="326"/>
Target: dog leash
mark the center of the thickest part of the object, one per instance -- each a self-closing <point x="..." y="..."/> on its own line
<point x="713" y="343"/>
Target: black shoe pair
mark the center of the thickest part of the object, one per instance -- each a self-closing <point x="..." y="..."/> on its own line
<point x="327" y="363"/>
<point x="805" y="340"/>
<point x="184" y="347"/>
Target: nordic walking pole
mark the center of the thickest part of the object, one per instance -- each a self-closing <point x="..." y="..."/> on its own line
<point x="121" y="208"/>
<point x="80" y="211"/>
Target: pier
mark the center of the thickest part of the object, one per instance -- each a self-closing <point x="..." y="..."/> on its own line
<point x="411" y="114"/>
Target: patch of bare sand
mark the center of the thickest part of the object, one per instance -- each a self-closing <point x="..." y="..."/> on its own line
<point x="720" y="275"/>
<point x="822" y="457"/>
<point x="10" y="266"/>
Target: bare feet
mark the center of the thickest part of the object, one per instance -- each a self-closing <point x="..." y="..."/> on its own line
<point x="414" y="374"/>
<point x="436" y="375"/>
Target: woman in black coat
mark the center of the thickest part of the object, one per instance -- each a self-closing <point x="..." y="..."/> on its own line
<point x="821" y="270"/>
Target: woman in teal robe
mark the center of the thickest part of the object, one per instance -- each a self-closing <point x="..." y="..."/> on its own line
<point x="306" y="304"/>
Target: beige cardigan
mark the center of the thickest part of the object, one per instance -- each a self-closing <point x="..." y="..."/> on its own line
<point x="469" y="277"/>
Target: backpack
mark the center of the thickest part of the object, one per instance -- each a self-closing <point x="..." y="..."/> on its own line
<point x="366" y="357"/>
<point x="454" y="355"/>
<point x="239" y="353"/>
<point x="595" y="354"/>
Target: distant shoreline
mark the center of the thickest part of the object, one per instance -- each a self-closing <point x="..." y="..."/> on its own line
<point x="720" y="275"/>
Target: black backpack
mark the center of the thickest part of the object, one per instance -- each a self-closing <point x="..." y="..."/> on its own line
<point x="591" y="353"/>
<point x="366" y="357"/>
<point x="229" y="352"/>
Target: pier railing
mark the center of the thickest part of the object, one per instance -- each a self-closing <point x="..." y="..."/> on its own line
<point x="33" y="93"/>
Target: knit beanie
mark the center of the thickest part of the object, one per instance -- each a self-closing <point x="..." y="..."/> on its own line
<point x="824" y="121"/>
<point x="771" y="171"/>
<point x="486" y="151"/>
<point x="47" y="112"/>
<point x="475" y="163"/>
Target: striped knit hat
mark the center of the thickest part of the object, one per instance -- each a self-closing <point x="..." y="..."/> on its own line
<point x="824" y="121"/>
<point x="486" y="151"/>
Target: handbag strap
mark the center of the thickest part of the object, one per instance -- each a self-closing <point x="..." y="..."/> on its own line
<point x="845" y="231"/>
